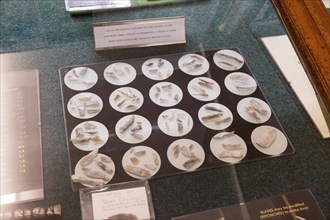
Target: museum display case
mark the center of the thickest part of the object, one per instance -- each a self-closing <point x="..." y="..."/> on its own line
<point x="189" y="102"/>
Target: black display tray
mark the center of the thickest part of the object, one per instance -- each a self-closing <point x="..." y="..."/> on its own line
<point x="159" y="141"/>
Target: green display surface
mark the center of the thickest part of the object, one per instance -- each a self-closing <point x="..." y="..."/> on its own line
<point x="43" y="35"/>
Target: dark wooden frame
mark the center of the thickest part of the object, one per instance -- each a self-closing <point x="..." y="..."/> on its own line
<point x="308" y="26"/>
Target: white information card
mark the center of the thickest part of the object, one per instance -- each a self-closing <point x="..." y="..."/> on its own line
<point x="124" y="202"/>
<point x="286" y="58"/>
<point x="139" y="33"/>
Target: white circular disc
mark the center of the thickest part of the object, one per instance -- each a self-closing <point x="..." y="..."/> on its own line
<point x="150" y="161"/>
<point x="255" y="117"/>
<point x="228" y="60"/>
<point x="80" y="78"/>
<point x="175" y="122"/>
<point x="165" y="94"/>
<point x="240" y="83"/>
<point x="93" y="166"/>
<point x="136" y="132"/>
<point x="181" y="161"/>
<point x="194" y="64"/>
<point x="85" y="105"/>
<point x="126" y="99"/>
<point x="204" y="89"/>
<point x="157" y="69"/>
<point x="277" y="147"/>
<point x="89" y="135"/>
<point x="211" y="117"/>
<point x="119" y="73"/>
<point x="225" y="139"/>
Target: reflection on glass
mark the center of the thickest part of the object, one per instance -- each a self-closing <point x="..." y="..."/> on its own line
<point x="20" y="157"/>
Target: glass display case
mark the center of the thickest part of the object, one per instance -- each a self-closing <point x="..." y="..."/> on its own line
<point x="223" y="70"/>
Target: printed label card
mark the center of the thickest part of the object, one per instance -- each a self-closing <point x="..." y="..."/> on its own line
<point x="298" y="205"/>
<point x="118" y="201"/>
<point x="139" y="33"/>
<point x="125" y="202"/>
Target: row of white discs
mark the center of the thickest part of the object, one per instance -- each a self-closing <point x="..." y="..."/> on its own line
<point x="145" y="157"/>
<point x="165" y="94"/>
<point x="120" y="73"/>
<point x="173" y="122"/>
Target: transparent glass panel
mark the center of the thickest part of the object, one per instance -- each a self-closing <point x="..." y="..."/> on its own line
<point x="42" y="35"/>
